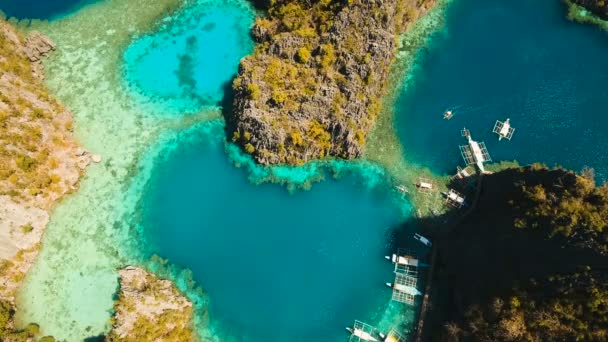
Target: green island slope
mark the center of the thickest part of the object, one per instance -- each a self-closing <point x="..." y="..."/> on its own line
<point x="314" y="84"/>
<point x="598" y="7"/>
<point x="528" y="263"/>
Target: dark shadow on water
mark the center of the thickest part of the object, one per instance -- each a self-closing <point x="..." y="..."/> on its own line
<point x="99" y="338"/>
<point x="260" y="4"/>
<point x="42" y="9"/>
<point x="227" y="104"/>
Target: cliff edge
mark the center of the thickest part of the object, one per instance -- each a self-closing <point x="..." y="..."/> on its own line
<point x="313" y="86"/>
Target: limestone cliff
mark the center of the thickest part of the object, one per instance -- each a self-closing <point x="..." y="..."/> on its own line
<point x="313" y="86"/>
<point x="39" y="161"/>
<point x="150" y="309"/>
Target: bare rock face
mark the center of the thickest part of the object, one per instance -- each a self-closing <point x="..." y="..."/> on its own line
<point x="314" y="84"/>
<point x="150" y="309"/>
<point x="37" y="46"/>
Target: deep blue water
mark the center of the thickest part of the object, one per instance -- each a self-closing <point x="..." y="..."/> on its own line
<point x="517" y="59"/>
<point x="277" y="267"/>
<point x="40" y="9"/>
<point x="187" y="64"/>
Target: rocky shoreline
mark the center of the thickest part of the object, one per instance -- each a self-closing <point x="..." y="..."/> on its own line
<point x="314" y="84"/>
<point x="40" y="161"/>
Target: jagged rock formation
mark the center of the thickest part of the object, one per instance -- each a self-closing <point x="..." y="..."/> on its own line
<point x="313" y="86"/>
<point x="599" y="7"/>
<point x="530" y="263"/>
<point x="150" y="309"/>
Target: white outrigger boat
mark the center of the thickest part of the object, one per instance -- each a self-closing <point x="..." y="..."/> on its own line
<point x="423" y="240"/>
<point x="361" y="332"/>
<point x="504" y="129"/>
<point x="405" y="260"/>
<point x="448" y="114"/>
<point x="453" y="198"/>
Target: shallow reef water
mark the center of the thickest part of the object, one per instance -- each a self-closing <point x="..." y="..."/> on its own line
<point x="517" y="59"/>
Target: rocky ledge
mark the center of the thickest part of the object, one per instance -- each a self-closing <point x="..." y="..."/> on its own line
<point x="150" y="309"/>
<point x="313" y="86"/>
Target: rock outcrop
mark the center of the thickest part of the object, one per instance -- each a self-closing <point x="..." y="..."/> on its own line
<point x="150" y="309"/>
<point x="313" y="86"/>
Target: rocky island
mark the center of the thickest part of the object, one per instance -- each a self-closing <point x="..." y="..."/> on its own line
<point x="150" y="309"/>
<point x="314" y="84"/>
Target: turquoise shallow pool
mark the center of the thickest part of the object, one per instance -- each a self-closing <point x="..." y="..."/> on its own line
<point x="515" y="59"/>
<point x="188" y="63"/>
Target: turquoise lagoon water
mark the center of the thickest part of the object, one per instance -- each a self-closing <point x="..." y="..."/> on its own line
<point x="187" y="64"/>
<point x="277" y="266"/>
<point x="517" y="59"/>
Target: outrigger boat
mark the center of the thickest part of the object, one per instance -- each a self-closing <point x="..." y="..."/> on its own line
<point x="448" y="114"/>
<point x="361" y="332"/>
<point x="503" y="129"/>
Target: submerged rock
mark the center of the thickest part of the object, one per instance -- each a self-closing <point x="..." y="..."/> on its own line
<point x="314" y="84"/>
<point x="150" y="309"/>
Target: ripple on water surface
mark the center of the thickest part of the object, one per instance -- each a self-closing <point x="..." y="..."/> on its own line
<point x="513" y="59"/>
<point x="277" y="267"/>
<point x="195" y="55"/>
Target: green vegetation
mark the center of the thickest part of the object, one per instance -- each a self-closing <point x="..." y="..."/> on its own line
<point x="598" y="7"/>
<point x="26" y="228"/>
<point x="7" y="331"/>
<point x="32" y="126"/>
<point x="529" y="263"/>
